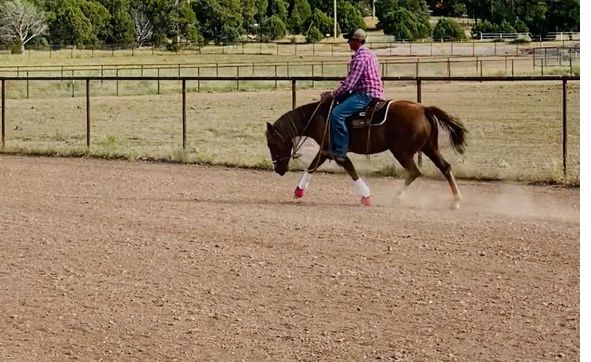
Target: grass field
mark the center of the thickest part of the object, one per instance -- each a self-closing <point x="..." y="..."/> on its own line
<point x="515" y="128"/>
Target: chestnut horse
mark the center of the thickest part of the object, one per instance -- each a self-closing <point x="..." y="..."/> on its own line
<point x="409" y="128"/>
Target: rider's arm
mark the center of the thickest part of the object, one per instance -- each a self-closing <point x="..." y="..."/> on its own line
<point x="357" y="67"/>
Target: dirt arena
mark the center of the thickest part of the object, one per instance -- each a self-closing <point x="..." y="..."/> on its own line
<point x="110" y="260"/>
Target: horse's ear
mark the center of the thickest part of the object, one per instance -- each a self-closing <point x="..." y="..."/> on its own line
<point x="270" y="128"/>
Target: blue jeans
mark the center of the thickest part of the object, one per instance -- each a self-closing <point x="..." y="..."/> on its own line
<point x="339" y="134"/>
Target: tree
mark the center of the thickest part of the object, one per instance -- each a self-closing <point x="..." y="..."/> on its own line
<point x="448" y="29"/>
<point x="21" y="22"/>
<point x="314" y="35"/>
<point x="460" y="9"/>
<point x="142" y="24"/>
<point x="279" y="8"/>
<point x="299" y="16"/>
<point x="121" y="29"/>
<point x="78" y="22"/>
<point x="564" y="15"/>
<point x="404" y="25"/>
<point x="273" y="28"/>
<point x="413" y="14"/>
<point x="322" y="22"/>
<point x="219" y="20"/>
<point x="349" y="17"/>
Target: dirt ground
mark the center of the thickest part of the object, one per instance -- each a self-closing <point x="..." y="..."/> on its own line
<point x="113" y="260"/>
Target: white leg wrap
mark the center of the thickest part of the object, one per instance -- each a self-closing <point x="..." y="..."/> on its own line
<point x="305" y="180"/>
<point x="361" y="188"/>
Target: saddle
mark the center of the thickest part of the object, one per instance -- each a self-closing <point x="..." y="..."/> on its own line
<point x="372" y="116"/>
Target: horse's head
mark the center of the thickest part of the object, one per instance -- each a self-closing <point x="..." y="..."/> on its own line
<point x="280" y="148"/>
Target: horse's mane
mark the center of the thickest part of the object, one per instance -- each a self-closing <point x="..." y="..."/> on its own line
<point x="292" y="123"/>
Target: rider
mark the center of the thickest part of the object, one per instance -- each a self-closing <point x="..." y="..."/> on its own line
<point x="357" y="91"/>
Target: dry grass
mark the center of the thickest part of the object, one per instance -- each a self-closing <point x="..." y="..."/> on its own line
<point x="515" y="128"/>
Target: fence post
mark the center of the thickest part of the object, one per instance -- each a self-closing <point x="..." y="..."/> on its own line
<point x="73" y="85"/>
<point x="3" y="112"/>
<point x="184" y="113"/>
<point x="275" y="76"/>
<point x="27" y="84"/>
<point x="117" y="82"/>
<point x="431" y="48"/>
<point x="473" y="49"/>
<point x="564" y="127"/>
<point x="158" y="75"/>
<point x="237" y="77"/>
<point x="419" y="100"/>
<point x="512" y="67"/>
<point x="451" y="45"/>
<point x="417" y="65"/>
<point x="217" y="70"/>
<point x="570" y="59"/>
<point x="293" y="93"/>
<point x="481" y="71"/>
<point x="312" y="73"/>
<point x="505" y="65"/>
<point x="495" y="43"/>
<point x="448" y="67"/>
<point x="87" y="113"/>
<point x="198" y="80"/>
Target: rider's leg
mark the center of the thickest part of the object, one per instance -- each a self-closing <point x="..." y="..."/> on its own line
<point x="339" y="134"/>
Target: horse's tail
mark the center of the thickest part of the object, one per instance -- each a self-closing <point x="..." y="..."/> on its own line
<point x="455" y="128"/>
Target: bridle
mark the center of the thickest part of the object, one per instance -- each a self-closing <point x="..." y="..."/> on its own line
<point x="294" y="153"/>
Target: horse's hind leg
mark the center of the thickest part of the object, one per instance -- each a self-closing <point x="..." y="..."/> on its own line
<point x="305" y="179"/>
<point x="361" y="188"/>
<point x="445" y="169"/>
<point x="413" y="172"/>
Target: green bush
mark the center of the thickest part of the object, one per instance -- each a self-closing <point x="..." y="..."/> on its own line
<point x="349" y="17"/>
<point x="314" y="35"/>
<point x="405" y="25"/>
<point x="506" y="27"/>
<point x="322" y="22"/>
<point x="484" y="27"/>
<point x="448" y="29"/>
<point x="273" y="28"/>
<point x="16" y="48"/>
<point x="520" y="26"/>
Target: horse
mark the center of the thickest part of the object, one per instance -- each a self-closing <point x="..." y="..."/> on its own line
<point x="409" y="127"/>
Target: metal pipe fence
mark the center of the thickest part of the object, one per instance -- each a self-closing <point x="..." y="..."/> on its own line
<point x="391" y="48"/>
<point x="419" y="81"/>
<point x="446" y="67"/>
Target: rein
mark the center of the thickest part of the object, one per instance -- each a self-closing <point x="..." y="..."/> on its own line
<point x="294" y="153"/>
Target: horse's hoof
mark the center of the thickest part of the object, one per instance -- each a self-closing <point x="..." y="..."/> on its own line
<point x="298" y="193"/>
<point x="366" y="201"/>
<point x="455" y="204"/>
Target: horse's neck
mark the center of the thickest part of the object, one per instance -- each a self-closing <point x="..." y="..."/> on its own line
<point x="297" y="122"/>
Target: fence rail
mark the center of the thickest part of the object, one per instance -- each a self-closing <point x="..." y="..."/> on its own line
<point x="446" y="67"/>
<point x="389" y="48"/>
<point x="293" y="80"/>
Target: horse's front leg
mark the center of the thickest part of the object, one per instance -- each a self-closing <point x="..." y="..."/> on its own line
<point x="305" y="179"/>
<point x="361" y="188"/>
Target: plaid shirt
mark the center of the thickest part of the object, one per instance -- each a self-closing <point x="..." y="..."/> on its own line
<point x="364" y="75"/>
